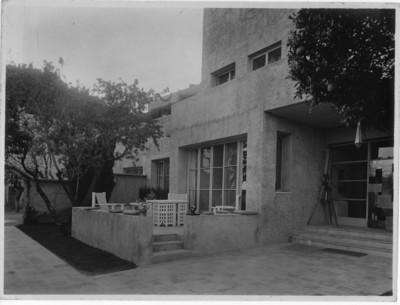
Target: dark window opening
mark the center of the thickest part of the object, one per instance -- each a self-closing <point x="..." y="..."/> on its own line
<point x="259" y="62"/>
<point x="274" y="55"/>
<point x="224" y="75"/>
<point x="243" y="202"/>
<point x="266" y="55"/>
<point x="223" y="78"/>
<point x="162" y="167"/>
<point x="278" y="182"/>
<point x="282" y="175"/>
<point x="160" y="111"/>
<point x="134" y="170"/>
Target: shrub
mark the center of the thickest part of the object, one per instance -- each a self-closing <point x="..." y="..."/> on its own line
<point x="159" y="193"/>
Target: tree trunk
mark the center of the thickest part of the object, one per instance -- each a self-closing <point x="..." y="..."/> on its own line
<point x="27" y="193"/>
<point x="65" y="188"/>
<point x="87" y="201"/>
<point x="102" y="181"/>
<point x="50" y="208"/>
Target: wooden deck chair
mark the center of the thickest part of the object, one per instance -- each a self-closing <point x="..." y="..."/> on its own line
<point x="101" y="200"/>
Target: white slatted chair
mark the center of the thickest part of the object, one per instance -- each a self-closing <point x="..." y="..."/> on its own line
<point x="223" y="209"/>
<point x="181" y="207"/>
<point x="227" y="209"/>
<point x="99" y="199"/>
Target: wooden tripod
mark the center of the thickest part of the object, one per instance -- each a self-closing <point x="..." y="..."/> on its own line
<point x="324" y="197"/>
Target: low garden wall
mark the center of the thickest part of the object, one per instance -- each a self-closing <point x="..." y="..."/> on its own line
<point x="126" y="190"/>
<point x="209" y="234"/>
<point x="39" y="212"/>
<point x="126" y="236"/>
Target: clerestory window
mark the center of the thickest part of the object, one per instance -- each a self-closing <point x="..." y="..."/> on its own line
<point x="265" y="56"/>
<point x="224" y="75"/>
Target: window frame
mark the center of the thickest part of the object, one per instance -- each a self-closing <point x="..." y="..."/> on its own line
<point x="283" y="162"/>
<point x="229" y="71"/>
<point x="241" y="146"/>
<point x="264" y="53"/>
<point x="162" y="176"/>
<point x="271" y="51"/>
<point x="133" y="170"/>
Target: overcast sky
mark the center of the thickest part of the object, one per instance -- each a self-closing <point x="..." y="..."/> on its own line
<point x="158" y="44"/>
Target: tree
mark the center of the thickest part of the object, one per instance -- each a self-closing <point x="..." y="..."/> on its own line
<point x="345" y="57"/>
<point x="26" y="152"/>
<point x="55" y="129"/>
<point x="118" y="116"/>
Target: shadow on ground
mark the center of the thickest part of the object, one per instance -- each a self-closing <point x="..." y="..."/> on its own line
<point x="84" y="258"/>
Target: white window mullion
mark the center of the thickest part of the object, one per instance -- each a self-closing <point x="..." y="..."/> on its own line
<point x="211" y="178"/>
<point x="238" y="173"/>
<point x="368" y="174"/>
<point x="223" y="175"/>
<point x="239" y="165"/>
<point x="198" y="179"/>
<point x="188" y="174"/>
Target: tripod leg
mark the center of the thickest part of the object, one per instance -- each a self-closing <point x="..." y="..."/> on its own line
<point x="333" y="210"/>
<point x="312" y="214"/>
<point x="330" y="211"/>
<point x="314" y="209"/>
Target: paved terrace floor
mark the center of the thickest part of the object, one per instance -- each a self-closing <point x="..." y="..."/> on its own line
<point x="276" y="270"/>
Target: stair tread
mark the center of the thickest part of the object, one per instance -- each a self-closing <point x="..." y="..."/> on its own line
<point x="352" y="229"/>
<point x="166" y="237"/>
<point x="345" y="244"/>
<point x="168" y="242"/>
<point x="344" y="236"/>
<point x="169" y="252"/>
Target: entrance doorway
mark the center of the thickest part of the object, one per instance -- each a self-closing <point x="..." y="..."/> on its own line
<point x="362" y="183"/>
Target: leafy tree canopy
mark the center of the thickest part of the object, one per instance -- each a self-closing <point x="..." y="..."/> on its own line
<point x="345" y="57"/>
<point x="74" y="131"/>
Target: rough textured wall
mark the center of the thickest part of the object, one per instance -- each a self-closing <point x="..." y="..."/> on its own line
<point x="128" y="237"/>
<point x="205" y="235"/>
<point x="231" y="34"/>
<point x="127" y="187"/>
<point x="224" y="112"/>
<point x="237" y="108"/>
<point x="57" y="196"/>
<point x="284" y="213"/>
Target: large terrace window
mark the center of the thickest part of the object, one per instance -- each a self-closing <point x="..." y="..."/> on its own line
<point x="217" y="175"/>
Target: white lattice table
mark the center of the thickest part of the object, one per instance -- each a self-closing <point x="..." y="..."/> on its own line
<point x="168" y="213"/>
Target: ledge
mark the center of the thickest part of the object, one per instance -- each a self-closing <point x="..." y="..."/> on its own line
<point x="245" y="212"/>
<point x="234" y="213"/>
<point x="126" y="236"/>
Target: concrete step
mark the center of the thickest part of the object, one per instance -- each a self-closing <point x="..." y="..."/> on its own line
<point x="346" y="239"/>
<point x="165" y="256"/>
<point x="374" y="234"/>
<point x="166" y="237"/>
<point x="365" y="240"/>
<point x="344" y="246"/>
<point x="167" y="245"/>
